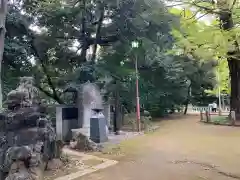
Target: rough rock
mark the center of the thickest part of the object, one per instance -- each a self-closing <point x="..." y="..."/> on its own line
<point x="54" y="164"/>
<point x="27" y="138"/>
<point x="82" y="142"/>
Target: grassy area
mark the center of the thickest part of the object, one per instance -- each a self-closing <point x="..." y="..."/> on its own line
<point x="130" y="123"/>
<point x="220" y="119"/>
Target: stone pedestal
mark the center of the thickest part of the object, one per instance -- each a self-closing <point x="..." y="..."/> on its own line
<point x="98" y="132"/>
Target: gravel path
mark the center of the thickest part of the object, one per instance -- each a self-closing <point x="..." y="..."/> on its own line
<point x="182" y="149"/>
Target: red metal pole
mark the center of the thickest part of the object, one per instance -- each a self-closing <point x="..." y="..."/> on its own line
<point x="137" y="98"/>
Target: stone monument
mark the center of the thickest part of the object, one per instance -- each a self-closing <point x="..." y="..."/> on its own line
<point x="27" y="139"/>
<point x="91" y="99"/>
<point x="88" y="98"/>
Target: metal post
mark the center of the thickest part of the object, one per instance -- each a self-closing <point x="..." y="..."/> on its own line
<point x="135" y="44"/>
<point x="137" y="97"/>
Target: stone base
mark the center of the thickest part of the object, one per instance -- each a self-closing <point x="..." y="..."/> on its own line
<point x="81" y="141"/>
<point x="83" y="131"/>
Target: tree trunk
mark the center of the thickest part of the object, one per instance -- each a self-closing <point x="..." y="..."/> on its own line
<point x="233" y="63"/>
<point x="186" y="107"/>
<point x="98" y="31"/>
<point x="3" y="14"/>
<point x="116" y="122"/>
<point x="187" y="100"/>
<point x="234" y="70"/>
<point x="83" y="36"/>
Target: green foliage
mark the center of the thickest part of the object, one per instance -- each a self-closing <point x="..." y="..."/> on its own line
<point x="204" y="42"/>
<point x="222" y="74"/>
<point x="169" y="56"/>
<point x="16" y="61"/>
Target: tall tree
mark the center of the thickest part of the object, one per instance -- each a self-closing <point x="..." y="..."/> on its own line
<point x="226" y="23"/>
<point x="68" y="30"/>
<point x="224" y="41"/>
<point x="3" y="14"/>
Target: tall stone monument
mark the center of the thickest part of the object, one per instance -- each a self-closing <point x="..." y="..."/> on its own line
<point x="91" y="99"/>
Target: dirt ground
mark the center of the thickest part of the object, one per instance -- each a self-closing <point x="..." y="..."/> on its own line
<point x="182" y="149"/>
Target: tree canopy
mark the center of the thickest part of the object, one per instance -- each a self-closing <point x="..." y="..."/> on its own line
<point x="72" y="42"/>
